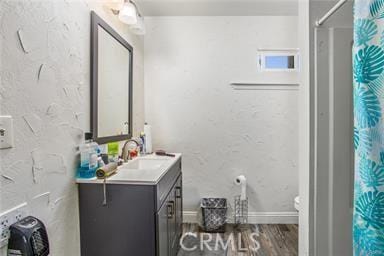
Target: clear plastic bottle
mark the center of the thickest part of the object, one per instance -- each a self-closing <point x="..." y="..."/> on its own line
<point x="88" y="153"/>
<point x="94" y="153"/>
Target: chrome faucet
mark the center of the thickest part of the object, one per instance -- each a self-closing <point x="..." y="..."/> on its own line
<point x="125" y="153"/>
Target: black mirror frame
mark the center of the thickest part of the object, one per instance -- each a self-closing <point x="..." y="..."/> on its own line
<point x="96" y="21"/>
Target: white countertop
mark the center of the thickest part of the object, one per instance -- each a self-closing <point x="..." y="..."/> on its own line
<point x="142" y="176"/>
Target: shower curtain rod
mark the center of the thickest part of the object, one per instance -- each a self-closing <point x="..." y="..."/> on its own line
<point x="330" y="12"/>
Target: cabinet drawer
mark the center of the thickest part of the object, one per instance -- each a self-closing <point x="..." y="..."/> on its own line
<point x="166" y="183"/>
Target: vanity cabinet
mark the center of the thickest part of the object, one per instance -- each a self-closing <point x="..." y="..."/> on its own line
<point x="138" y="219"/>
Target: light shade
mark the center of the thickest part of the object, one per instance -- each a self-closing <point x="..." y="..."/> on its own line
<point x="128" y="14"/>
<point x="139" y="27"/>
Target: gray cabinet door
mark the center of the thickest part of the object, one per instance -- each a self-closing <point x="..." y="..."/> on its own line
<point x="172" y="223"/>
<point x="179" y="207"/>
<point x="162" y="232"/>
<point x="169" y="222"/>
<point x="175" y="220"/>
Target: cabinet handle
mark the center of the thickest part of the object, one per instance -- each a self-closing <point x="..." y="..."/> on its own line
<point x="178" y="192"/>
<point x="171" y="208"/>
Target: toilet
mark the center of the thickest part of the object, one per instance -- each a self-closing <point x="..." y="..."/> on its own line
<point x="297" y="203"/>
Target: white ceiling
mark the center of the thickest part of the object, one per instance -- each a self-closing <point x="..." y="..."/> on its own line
<point x="218" y="7"/>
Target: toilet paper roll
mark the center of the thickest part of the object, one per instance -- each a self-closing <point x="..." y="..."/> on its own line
<point x="242" y="181"/>
<point x="148" y="138"/>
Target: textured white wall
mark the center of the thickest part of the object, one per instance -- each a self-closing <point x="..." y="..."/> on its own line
<point x="222" y="132"/>
<point x="50" y="107"/>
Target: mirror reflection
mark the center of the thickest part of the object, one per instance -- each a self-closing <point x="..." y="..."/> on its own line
<point x="113" y="86"/>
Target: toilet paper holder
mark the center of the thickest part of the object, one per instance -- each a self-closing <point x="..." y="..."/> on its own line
<point x="241" y="201"/>
<point x="241" y="210"/>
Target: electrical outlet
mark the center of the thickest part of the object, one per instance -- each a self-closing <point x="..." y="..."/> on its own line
<point x="4" y="224"/>
<point x="6" y="132"/>
<point x="9" y="217"/>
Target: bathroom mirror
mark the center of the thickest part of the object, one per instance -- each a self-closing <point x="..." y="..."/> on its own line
<point x="111" y="62"/>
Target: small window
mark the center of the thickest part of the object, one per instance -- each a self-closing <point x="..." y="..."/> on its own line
<point x="278" y="60"/>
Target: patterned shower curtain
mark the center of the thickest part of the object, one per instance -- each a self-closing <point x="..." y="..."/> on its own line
<point x="368" y="71"/>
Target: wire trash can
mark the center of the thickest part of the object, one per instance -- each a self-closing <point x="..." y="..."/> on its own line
<point x="214" y="211"/>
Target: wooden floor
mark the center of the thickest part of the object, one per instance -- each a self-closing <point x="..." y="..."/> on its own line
<point x="251" y="240"/>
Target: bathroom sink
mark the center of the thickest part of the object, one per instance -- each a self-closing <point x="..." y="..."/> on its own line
<point x="145" y="164"/>
<point x="142" y="170"/>
<point x="146" y="170"/>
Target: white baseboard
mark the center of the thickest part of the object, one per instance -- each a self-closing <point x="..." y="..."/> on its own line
<point x="254" y="217"/>
<point x="273" y="217"/>
<point x="190" y="217"/>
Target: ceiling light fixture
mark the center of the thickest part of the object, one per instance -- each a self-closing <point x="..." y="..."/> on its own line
<point x="128" y="13"/>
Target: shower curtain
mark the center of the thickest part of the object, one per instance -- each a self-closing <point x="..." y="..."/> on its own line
<point x="368" y="72"/>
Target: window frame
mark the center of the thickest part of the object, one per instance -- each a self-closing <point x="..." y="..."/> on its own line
<point x="263" y="53"/>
